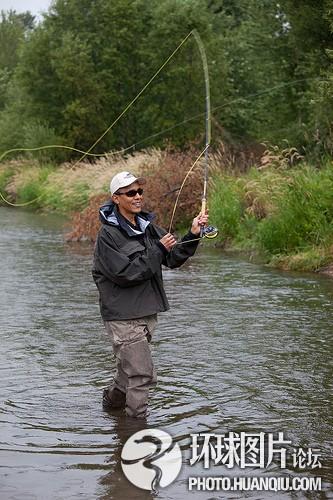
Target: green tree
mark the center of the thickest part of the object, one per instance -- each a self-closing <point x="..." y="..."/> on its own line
<point x="14" y="29"/>
<point x="309" y="44"/>
<point x="89" y="59"/>
<point x="76" y="71"/>
<point x="178" y="93"/>
<point x="320" y="93"/>
<point x="79" y="67"/>
<point x="276" y="52"/>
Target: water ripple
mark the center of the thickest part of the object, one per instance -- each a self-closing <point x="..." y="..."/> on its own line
<point x="243" y="348"/>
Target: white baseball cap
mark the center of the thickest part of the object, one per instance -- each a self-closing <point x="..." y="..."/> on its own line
<point x="124" y="179"/>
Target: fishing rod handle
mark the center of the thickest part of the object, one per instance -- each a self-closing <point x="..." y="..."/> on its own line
<point x="203" y="206"/>
<point x="203" y="211"/>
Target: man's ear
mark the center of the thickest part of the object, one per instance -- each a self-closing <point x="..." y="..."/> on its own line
<point x="114" y="198"/>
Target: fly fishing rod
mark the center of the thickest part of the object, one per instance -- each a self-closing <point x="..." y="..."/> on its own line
<point x="206" y="231"/>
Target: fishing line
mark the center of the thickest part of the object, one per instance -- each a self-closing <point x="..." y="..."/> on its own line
<point x="248" y="97"/>
<point x="182" y="185"/>
<point x="122" y="151"/>
<point x="49" y="146"/>
<point x="197" y="37"/>
<point x="211" y="231"/>
<point x="207" y="231"/>
<point x="110" y="127"/>
<point x="137" y="96"/>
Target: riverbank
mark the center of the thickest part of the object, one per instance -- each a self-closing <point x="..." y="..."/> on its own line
<point x="277" y="210"/>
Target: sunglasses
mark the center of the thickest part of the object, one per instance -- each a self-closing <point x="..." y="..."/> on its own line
<point x="132" y="192"/>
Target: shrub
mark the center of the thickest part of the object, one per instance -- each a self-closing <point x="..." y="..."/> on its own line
<point x="86" y="223"/>
<point x="32" y="185"/>
<point x="304" y="212"/>
<point x="36" y="135"/>
<point x="164" y="171"/>
<point x="5" y="176"/>
<point x="226" y="206"/>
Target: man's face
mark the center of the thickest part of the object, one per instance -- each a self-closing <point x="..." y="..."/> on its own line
<point x="128" y="205"/>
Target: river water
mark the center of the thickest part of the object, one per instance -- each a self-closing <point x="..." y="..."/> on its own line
<point x="244" y="349"/>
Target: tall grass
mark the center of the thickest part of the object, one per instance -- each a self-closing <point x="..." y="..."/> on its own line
<point x="285" y="214"/>
<point x="30" y="187"/>
<point x="62" y="189"/>
<point x="5" y="176"/>
<point x="303" y="215"/>
<point x="225" y="206"/>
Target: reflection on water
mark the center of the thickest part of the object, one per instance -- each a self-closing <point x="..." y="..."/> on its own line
<point x="243" y="349"/>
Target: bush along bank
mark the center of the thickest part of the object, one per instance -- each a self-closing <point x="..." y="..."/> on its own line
<point x="284" y="215"/>
<point x="279" y="212"/>
<point x="64" y="188"/>
<point x="45" y="187"/>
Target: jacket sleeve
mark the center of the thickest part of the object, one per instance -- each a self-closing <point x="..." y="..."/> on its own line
<point x="179" y="253"/>
<point x="122" y="270"/>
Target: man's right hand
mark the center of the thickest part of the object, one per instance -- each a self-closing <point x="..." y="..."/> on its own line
<point x="168" y="241"/>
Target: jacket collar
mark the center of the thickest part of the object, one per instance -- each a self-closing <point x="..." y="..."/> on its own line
<point x="109" y="214"/>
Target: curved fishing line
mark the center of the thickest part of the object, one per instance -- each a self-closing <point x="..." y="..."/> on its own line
<point x="19" y="204"/>
<point x="182" y="185"/>
<point x="136" y="97"/>
<point x="86" y="153"/>
<point x="248" y="97"/>
<point x="40" y="148"/>
<point x="208" y="125"/>
<point x="203" y="55"/>
<point x="207" y="135"/>
<point x="157" y="134"/>
<point x="49" y="146"/>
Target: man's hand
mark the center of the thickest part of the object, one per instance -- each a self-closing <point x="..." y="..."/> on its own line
<point x="168" y="241"/>
<point x="198" y="222"/>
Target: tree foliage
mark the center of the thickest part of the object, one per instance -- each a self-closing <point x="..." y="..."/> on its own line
<point x="70" y="76"/>
<point x="14" y="30"/>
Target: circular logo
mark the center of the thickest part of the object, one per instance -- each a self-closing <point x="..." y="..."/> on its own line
<point x="150" y="459"/>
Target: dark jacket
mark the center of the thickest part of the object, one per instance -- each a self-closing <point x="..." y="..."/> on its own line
<point x="127" y="265"/>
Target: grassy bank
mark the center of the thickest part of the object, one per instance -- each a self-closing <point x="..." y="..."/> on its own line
<point x="281" y="212"/>
<point x="61" y="189"/>
<point x="285" y="215"/>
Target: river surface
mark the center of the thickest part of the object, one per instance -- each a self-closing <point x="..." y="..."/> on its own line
<point x="243" y="349"/>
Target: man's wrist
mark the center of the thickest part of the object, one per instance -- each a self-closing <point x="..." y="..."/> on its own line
<point x="162" y="247"/>
<point x="193" y="235"/>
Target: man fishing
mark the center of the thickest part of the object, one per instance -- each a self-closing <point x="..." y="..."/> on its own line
<point x="129" y="253"/>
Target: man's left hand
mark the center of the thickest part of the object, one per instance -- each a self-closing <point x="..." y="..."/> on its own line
<point x="198" y="222"/>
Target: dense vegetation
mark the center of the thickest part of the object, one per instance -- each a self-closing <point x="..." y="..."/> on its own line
<point x="280" y="212"/>
<point x="65" y="79"/>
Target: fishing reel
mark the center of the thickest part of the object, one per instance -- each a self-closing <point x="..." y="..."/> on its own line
<point x="209" y="232"/>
